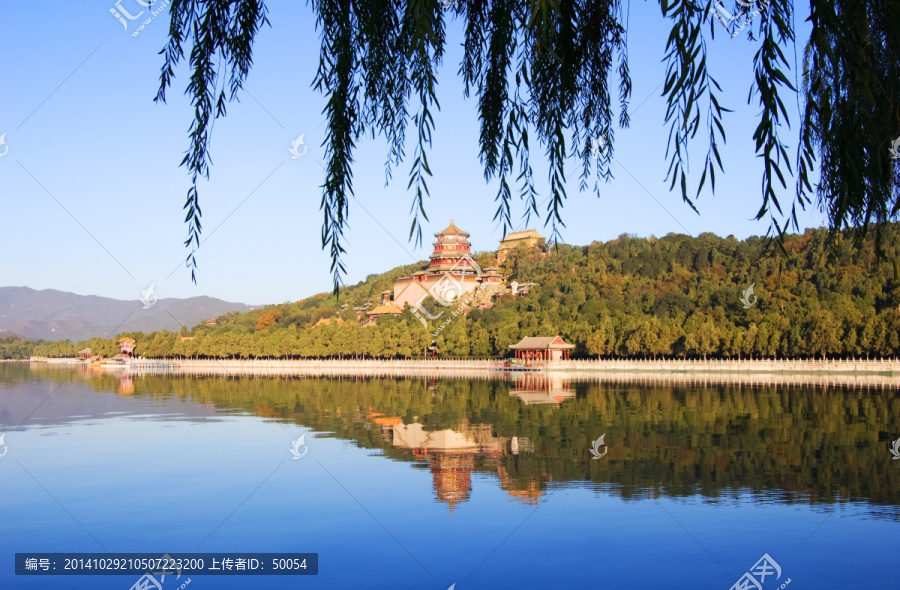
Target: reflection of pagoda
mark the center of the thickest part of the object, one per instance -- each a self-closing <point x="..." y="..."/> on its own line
<point x="126" y="385"/>
<point x="451" y="473"/>
<point x="451" y="455"/>
<point x="540" y="388"/>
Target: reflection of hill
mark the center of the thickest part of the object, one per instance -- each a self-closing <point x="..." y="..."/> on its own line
<point x="806" y="444"/>
<point x="75" y="402"/>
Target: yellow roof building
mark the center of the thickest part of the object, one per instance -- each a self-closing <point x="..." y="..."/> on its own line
<point x="529" y="237"/>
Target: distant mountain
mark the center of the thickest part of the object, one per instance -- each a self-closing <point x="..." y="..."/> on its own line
<point x="57" y="315"/>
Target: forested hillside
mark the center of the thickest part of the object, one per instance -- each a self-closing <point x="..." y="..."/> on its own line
<point x="629" y="297"/>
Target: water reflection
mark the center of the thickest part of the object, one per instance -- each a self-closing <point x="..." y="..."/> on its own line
<point x="538" y="388"/>
<point x="450" y="455"/>
<point x="126" y="385"/>
<point x="527" y="433"/>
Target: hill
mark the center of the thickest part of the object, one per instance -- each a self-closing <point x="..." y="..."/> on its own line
<point x="57" y="315"/>
<point x="675" y="296"/>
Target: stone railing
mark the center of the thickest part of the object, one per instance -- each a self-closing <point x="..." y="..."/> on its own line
<point x="741" y="366"/>
<point x="874" y="373"/>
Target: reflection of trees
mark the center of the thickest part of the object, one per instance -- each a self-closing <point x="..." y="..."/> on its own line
<point x="812" y="443"/>
<point x="14" y="374"/>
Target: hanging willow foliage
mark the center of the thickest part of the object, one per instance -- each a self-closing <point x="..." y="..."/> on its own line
<point x="543" y="69"/>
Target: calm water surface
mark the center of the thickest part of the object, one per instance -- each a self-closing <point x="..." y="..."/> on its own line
<point x="421" y="483"/>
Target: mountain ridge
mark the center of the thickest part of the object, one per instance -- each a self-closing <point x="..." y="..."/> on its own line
<point x="51" y="314"/>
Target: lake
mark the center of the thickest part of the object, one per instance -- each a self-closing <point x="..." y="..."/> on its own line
<point x="428" y="482"/>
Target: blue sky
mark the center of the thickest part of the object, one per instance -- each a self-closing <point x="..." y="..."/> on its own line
<point x="92" y="193"/>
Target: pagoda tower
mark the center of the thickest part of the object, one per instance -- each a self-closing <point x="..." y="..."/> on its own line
<point x="450" y="275"/>
<point x="452" y="252"/>
<point x="126" y="345"/>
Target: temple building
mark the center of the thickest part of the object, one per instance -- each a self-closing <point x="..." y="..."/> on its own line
<point x="551" y="348"/>
<point x="451" y="273"/>
<point x="530" y="494"/>
<point x="386" y="307"/>
<point x="528" y="238"/>
<point x="327" y="321"/>
<point x="126" y="345"/>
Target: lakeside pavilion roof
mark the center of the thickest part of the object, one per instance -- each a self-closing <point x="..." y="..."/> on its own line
<point x="541" y="343"/>
<point x="451" y="230"/>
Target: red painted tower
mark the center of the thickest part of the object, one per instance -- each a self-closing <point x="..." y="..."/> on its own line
<point x="452" y="252"/>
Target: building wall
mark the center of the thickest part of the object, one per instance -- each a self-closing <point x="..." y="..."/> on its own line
<point x="414" y="292"/>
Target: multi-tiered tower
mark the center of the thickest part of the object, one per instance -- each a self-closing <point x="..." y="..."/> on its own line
<point x="451" y="272"/>
<point x="452" y="253"/>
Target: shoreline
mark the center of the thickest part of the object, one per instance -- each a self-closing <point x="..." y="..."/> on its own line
<point x="860" y="373"/>
<point x="855" y="367"/>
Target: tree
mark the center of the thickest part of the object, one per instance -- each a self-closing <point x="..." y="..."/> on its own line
<point x="288" y="343"/>
<point x="647" y="339"/>
<point x="704" y="339"/>
<point x="13" y="347"/>
<point x="160" y="345"/>
<point x="822" y="333"/>
<point x="602" y="340"/>
<point x="748" y="340"/>
<point x="268" y="318"/>
<point x="543" y="70"/>
<point x="480" y="343"/>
